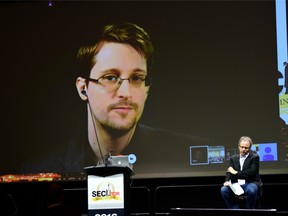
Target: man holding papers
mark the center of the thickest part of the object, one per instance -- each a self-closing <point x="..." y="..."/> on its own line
<point x="243" y="173"/>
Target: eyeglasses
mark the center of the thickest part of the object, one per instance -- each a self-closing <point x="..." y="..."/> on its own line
<point x="112" y="81"/>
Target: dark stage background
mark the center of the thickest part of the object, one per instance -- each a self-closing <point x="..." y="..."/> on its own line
<point x="215" y="74"/>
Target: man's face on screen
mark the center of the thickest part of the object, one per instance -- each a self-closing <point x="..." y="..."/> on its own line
<point x="118" y="103"/>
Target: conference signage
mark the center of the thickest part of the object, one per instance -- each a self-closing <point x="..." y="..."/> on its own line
<point x="106" y="195"/>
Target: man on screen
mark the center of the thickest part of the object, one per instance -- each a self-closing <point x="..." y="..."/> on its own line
<point x="115" y="75"/>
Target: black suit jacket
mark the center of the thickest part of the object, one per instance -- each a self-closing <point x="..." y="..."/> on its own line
<point x="249" y="172"/>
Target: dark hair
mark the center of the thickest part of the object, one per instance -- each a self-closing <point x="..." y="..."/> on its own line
<point x="127" y="33"/>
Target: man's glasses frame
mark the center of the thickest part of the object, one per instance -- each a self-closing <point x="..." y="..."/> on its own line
<point x="113" y="81"/>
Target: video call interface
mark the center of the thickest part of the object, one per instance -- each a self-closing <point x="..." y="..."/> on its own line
<point x="217" y="154"/>
<point x="217" y="74"/>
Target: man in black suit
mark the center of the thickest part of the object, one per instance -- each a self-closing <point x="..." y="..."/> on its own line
<point x="244" y="169"/>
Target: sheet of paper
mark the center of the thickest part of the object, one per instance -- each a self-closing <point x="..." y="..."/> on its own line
<point x="236" y="188"/>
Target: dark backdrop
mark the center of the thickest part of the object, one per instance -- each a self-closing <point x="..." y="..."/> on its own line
<point x="215" y="72"/>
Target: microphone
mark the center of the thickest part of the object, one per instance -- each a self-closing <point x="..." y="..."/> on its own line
<point x="104" y="159"/>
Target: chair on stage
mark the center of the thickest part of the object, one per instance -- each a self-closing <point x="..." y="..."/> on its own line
<point x="241" y="199"/>
<point x="140" y="200"/>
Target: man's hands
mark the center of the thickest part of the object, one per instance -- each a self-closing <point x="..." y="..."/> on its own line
<point x="227" y="183"/>
<point x="231" y="170"/>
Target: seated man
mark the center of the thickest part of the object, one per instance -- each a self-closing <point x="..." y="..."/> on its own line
<point x="244" y="169"/>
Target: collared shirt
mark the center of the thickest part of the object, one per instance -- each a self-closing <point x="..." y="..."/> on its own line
<point x="242" y="159"/>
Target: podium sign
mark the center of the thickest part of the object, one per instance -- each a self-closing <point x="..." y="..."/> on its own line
<point x="108" y="191"/>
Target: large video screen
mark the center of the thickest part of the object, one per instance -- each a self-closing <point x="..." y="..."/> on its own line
<point x="215" y="79"/>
